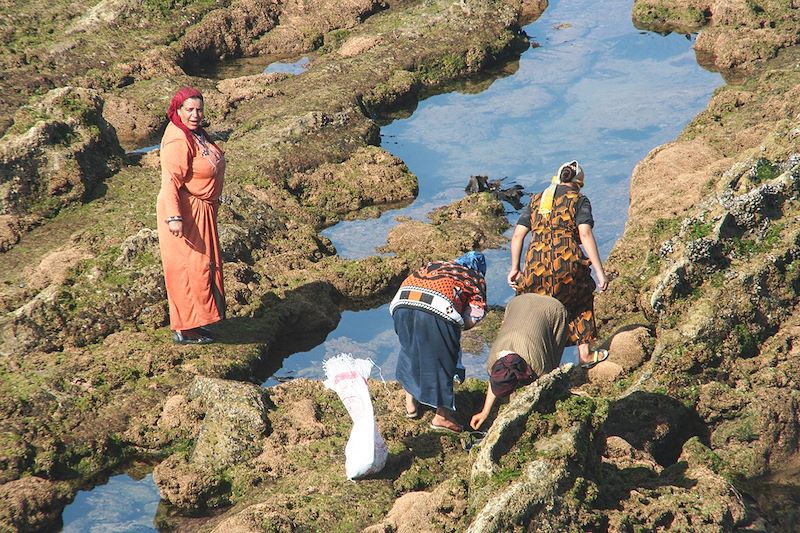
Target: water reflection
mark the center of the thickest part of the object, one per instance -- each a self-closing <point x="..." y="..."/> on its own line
<point x="296" y="67"/>
<point x="247" y="66"/>
<point x="123" y="504"/>
<point x="596" y="89"/>
<point x="144" y="149"/>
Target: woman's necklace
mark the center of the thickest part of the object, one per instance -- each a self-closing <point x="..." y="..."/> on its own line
<point x="202" y="142"/>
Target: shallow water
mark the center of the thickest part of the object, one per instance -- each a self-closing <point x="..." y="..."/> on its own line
<point x="248" y="66"/>
<point x="122" y="504"/>
<point x="289" y="67"/>
<point x="597" y="90"/>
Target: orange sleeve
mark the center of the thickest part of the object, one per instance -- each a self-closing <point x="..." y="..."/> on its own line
<point x="174" y="170"/>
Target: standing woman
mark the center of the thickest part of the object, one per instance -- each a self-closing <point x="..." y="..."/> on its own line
<point x="429" y="310"/>
<point x="192" y="172"/>
<point x="560" y="222"/>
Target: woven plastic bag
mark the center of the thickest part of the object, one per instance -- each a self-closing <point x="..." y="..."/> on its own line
<point x="366" y="450"/>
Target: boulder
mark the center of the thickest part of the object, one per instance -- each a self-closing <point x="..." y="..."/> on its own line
<point x="231" y="432"/>
<point x="29" y="504"/>
<point x="234" y="423"/>
<point x="510" y="423"/>
<point x="188" y="486"/>
<point x="629" y="348"/>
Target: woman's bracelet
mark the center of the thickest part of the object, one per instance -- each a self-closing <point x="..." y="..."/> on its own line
<point x="177" y="218"/>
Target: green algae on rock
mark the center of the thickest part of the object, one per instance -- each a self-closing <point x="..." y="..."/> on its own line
<point x="734" y="36"/>
<point x="58" y="150"/>
<point x="719" y="285"/>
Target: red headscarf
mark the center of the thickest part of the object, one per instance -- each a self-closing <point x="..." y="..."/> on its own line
<point x="172" y="113"/>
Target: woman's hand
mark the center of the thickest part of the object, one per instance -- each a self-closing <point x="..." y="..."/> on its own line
<point x="513" y="274"/>
<point x="602" y="280"/>
<point x="590" y="247"/>
<point x="478" y="419"/>
<point x="175" y="227"/>
<point x="517" y="241"/>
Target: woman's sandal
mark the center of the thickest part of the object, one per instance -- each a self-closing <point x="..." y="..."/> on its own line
<point x="598" y="356"/>
<point x="179" y="338"/>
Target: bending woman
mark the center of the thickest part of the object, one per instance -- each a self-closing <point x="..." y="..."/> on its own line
<point x="192" y="173"/>
<point x="430" y="309"/>
<point x="560" y="221"/>
<point x="528" y="345"/>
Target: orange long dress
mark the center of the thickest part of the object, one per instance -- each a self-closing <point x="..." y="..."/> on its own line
<point x="191" y="187"/>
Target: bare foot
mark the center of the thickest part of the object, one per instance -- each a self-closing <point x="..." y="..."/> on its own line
<point x="412" y="407"/>
<point x="440" y="422"/>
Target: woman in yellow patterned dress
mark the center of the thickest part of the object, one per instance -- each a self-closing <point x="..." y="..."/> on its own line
<point x="560" y="222"/>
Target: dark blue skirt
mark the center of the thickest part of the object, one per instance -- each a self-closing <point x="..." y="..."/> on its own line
<point x="430" y="349"/>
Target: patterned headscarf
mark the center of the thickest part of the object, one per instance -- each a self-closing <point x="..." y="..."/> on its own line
<point x="546" y="203"/>
<point x="474" y="260"/>
<point x="509" y="373"/>
<point x="172" y="113"/>
<point x="579" y="176"/>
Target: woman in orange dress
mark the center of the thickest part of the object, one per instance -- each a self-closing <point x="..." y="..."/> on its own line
<point x="192" y="173"/>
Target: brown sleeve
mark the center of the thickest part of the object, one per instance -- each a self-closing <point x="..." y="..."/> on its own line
<point x="559" y="322"/>
<point x="491" y="359"/>
<point x="174" y="170"/>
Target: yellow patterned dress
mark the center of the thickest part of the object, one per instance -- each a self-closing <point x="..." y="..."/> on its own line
<point x="556" y="266"/>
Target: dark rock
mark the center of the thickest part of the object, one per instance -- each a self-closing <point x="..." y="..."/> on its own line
<point x="654" y="423"/>
<point x="513" y="195"/>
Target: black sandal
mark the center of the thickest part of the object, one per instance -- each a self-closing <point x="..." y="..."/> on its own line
<point x="179" y="338"/>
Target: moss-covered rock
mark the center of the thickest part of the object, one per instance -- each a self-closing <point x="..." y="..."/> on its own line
<point x="58" y="150"/>
<point x="733" y="37"/>
<point x="370" y="177"/>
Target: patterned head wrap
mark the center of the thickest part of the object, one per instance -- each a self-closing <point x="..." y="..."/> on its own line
<point x="474" y="260"/>
<point x="546" y="203"/>
<point x="509" y="373"/>
<point x="172" y="113"/>
<point x="578" y="179"/>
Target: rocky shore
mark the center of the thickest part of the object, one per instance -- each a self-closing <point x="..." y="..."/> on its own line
<point x="692" y="426"/>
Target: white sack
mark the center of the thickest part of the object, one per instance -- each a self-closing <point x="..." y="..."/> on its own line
<point x="366" y="450"/>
